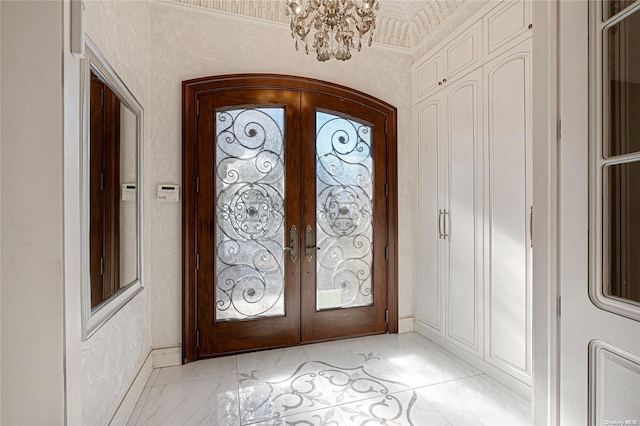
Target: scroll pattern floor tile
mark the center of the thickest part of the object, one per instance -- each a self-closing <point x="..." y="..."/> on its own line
<point x="392" y="380"/>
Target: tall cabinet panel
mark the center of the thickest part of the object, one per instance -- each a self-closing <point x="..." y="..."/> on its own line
<point x="450" y="137"/>
<point x="463" y="211"/>
<point x="475" y="197"/>
<point x="430" y="290"/>
<point x="508" y="102"/>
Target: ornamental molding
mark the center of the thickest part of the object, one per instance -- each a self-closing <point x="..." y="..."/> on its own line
<point x="400" y="23"/>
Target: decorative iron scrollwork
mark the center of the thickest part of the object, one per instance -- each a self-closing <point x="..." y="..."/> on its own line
<point x="250" y="213"/>
<point x="344" y="214"/>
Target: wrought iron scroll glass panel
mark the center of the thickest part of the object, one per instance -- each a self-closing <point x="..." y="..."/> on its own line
<point x="250" y="212"/>
<point x="344" y="216"/>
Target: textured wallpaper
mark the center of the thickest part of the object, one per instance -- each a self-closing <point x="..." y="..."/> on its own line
<point x="113" y="355"/>
<point x="189" y="43"/>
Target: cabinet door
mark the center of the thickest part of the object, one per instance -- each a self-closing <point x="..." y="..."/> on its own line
<point x="509" y="189"/>
<point x="427" y="76"/>
<point x="463" y="216"/>
<point x="506" y="26"/>
<point x="464" y="53"/>
<point x="429" y="116"/>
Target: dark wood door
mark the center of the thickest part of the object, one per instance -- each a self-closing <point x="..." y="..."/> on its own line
<point x="286" y="236"/>
<point x="344" y="271"/>
<point x="248" y="201"/>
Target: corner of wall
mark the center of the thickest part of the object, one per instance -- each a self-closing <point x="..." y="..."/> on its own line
<point x="31" y="241"/>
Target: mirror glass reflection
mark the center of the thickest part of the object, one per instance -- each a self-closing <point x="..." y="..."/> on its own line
<point x="112" y="193"/>
<point x="111" y="197"/>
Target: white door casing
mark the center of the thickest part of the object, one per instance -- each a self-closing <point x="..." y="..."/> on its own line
<point x="599" y="349"/>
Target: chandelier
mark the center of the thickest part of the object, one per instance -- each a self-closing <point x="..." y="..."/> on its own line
<point x="335" y="25"/>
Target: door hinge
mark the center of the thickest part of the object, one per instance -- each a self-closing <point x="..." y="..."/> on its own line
<point x="101" y="181"/>
<point x="102" y="266"/>
<point x="197" y="184"/>
<point x="559" y="129"/>
<point x="197" y="261"/>
<point x="197" y="107"/>
<point x="559" y="306"/>
<point x="386" y="189"/>
<point x="386" y="127"/>
<point x="102" y="97"/>
<point x="386" y="315"/>
<point x="197" y="337"/>
<point x="386" y="253"/>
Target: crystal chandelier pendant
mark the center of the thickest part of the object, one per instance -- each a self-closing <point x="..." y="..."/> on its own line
<point x="332" y="28"/>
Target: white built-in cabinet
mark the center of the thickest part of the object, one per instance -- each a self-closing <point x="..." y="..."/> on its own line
<point x="473" y="127"/>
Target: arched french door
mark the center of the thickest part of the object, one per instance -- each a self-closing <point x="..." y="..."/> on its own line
<point x="289" y="214"/>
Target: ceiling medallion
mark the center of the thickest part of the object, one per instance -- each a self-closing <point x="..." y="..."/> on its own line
<point x="335" y="25"/>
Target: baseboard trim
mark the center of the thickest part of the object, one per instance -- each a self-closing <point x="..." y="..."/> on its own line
<point x="128" y="401"/>
<point x="406" y="325"/>
<point x="166" y="356"/>
<point x="157" y="357"/>
<point x="509" y="381"/>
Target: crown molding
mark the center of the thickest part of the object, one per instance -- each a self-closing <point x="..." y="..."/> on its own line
<point x="402" y="24"/>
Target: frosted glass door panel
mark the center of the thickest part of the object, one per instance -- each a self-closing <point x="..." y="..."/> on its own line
<point x="250" y="212"/>
<point x="344" y="234"/>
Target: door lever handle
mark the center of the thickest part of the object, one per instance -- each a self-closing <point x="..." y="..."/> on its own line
<point x="440" y="224"/>
<point x="293" y="243"/>
<point x="309" y="250"/>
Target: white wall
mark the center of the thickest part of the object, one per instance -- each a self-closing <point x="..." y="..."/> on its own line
<point x="0" y="214"/>
<point x="31" y="227"/>
<point x="112" y="356"/>
<point x="189" y="43"/>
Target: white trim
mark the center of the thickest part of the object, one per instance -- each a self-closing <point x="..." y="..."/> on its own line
<point x="598" y="251"/>
<point x="167" y="356"/>
<point x="156" y="358"/>
<point x="406" y="325"/>
<point x="130" y="398"/>
<point x="508" y="380"/>
<point x="545" y="199"/>
<point x="72" y="230"/>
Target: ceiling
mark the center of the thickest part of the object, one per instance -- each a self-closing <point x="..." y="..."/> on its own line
<point x="400" y="23"/>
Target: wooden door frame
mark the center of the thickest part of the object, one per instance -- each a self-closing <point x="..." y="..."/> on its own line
<point x="191" y="89"/>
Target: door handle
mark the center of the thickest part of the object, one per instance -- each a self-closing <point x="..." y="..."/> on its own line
<point x="531" y="227"/>
<point x="310" y="248"/>
<point x="293" y="243"/>
<point x="444" y="215"/>
<point x="440" y="224"/>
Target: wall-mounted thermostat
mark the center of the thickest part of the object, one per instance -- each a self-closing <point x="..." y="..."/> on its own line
<point x="128" y="192"/>
<point x="168" y="192"/>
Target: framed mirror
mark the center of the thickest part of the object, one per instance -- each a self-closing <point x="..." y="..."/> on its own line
<point x="112" y="121"/>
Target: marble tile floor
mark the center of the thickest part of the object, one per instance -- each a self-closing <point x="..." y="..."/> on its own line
<point x="392" y="379"/>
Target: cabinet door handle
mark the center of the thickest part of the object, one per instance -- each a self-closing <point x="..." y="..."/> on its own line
<point x="444" y="80"/>
<point x="531" y="227"/>
<point x="439" y="83"/>
<point x="439" y="224"/>
<point x="444" y="215"/>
